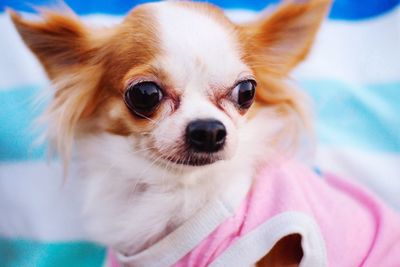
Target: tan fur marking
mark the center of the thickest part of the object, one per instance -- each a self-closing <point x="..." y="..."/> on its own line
<point x="58" y="40"/>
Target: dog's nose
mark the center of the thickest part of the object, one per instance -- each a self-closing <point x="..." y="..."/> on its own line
<point x="205" y="135"/>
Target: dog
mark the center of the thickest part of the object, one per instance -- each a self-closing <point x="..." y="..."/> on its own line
<point x="185" y="128"/>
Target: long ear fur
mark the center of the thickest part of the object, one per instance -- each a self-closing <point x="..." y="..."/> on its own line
<point x="63" y="46"/>
<point x="273" y="45"/>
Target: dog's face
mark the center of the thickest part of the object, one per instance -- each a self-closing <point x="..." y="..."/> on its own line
<point x="186" y="102"/>
<point x="178" y="79"/>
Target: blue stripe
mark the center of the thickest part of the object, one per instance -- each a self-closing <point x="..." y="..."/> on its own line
<point x="342" y="9"/>
<point x="27" y="253"/>
<point x="17" y="136"/>
<point x="364" y="117"/>
<point x="361" y="9"/>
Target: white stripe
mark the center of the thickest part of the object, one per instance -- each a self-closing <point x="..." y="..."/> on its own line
<point x="380" y="172"/>
<point x="359" y="52"/>
<point x="356" y="52"/>
<point x="34" y="202"/>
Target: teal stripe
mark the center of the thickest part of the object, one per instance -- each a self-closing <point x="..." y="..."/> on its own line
<point x="366" y="116"/>
<point x="27" y="253"/>
<point x="17" y="136"/>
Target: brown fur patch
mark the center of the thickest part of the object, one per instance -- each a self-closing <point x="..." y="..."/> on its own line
<point x="59" y="40"/>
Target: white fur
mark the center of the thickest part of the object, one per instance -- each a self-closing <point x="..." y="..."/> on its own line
<point x="132" y="200"/>
<point x="197" y="47"/>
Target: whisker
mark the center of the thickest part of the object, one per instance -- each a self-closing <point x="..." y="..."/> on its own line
<point x="147" y="118"/>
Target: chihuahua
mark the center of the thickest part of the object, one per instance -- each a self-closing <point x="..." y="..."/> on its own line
<point x="183" y="125"/>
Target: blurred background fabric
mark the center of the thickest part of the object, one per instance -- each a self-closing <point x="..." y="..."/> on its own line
<point x="352" y="74"/>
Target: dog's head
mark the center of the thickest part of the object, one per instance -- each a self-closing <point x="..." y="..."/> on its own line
<point x="178" y="79"/>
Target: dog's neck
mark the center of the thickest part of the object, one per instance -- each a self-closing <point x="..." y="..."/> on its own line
<point x="132" y="202"/>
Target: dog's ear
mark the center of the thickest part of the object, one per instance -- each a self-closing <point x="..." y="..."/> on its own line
<point x="59" y="40"/>
<point x="66" y="50"/>
<point x="283" y="38"/>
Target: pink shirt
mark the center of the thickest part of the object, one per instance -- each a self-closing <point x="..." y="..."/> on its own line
<point x="341" y="225"/>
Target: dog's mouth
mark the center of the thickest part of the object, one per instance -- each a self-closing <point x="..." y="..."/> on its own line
<point x="194" y="160"/>
<point x="187" y="158"/>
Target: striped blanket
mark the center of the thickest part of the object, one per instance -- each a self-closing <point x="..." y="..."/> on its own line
<point x="353" y="76"/>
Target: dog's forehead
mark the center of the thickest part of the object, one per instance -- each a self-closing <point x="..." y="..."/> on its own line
<point x="197" y="42"/>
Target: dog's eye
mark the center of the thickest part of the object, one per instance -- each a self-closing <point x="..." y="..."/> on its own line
<point x="244" y="92"/>
<point x="143" y="98"/>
